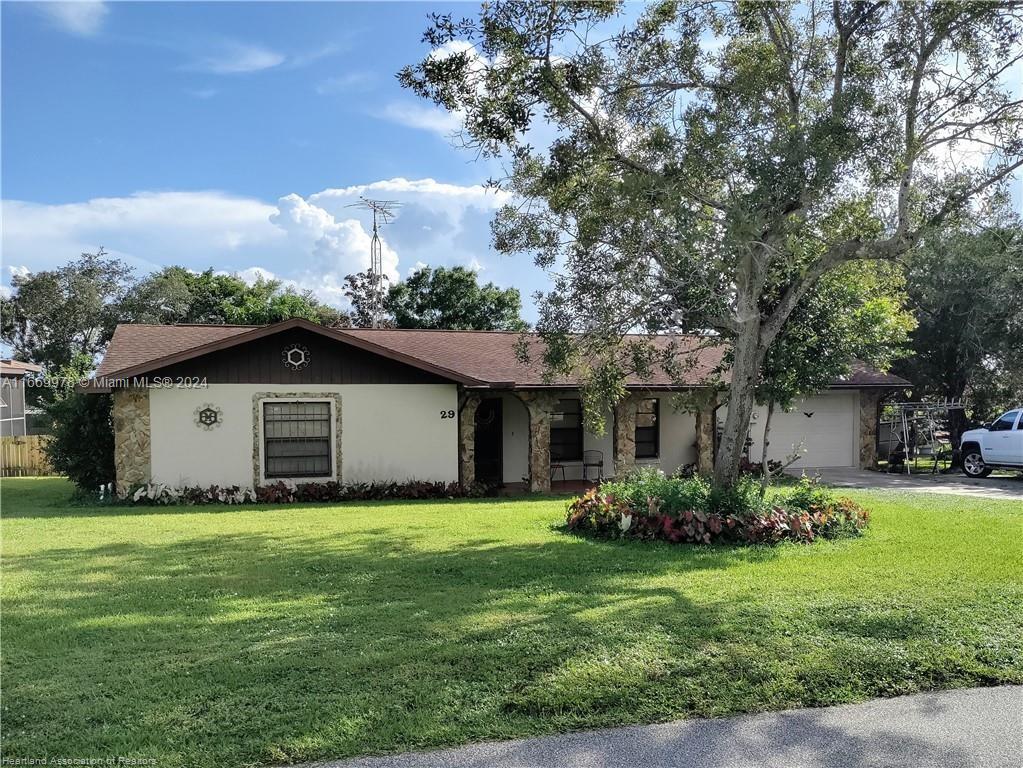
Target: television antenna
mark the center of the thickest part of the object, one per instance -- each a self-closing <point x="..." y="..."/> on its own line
<point x="383" y="212"/>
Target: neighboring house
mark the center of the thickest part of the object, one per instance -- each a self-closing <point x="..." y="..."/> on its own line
<point x="244" y="405"/>
<point x="12" y="396"/>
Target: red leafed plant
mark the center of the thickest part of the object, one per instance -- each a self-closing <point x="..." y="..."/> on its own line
<point x="683" y="509"/>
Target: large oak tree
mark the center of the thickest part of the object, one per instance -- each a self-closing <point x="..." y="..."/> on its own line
<point x="712" y="161"/>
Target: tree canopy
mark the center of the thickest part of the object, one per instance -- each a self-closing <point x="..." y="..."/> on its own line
<point x="60" y="318"/>
<point x="178" y="295"/>
<point x="857" y="313"/>
<point x="713" y="162"/>
<point x="453" y="298"/>
<point x="965" y="285"/>
<point x="56" y="316"/>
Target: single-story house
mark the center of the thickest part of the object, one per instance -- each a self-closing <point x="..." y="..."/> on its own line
<point x="12" y="396"/>
<point x="197" y="405"/>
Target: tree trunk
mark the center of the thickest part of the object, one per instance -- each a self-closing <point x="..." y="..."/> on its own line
<point x="765" y="473"/>
<point x="741" y="391"/>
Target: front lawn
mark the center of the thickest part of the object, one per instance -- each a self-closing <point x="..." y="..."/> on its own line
<point x="225" y="636"/>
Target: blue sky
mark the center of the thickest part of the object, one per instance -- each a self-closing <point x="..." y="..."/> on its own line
<point x="233" y="135"/>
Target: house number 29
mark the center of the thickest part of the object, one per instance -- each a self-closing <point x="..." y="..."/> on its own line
<point x="447" y="414"/>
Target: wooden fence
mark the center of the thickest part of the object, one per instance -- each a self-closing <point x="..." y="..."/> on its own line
<point x="20" y="456"/>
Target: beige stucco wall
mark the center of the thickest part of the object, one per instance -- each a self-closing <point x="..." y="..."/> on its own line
<point x="678" y="437"/>
<point x="389" y="432"/>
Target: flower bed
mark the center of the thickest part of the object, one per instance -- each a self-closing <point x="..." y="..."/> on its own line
<point x="649" y="505"/>
<point x="287" y="492"/>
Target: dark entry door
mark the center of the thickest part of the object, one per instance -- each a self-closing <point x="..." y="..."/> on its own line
<point x="489" y="456"/>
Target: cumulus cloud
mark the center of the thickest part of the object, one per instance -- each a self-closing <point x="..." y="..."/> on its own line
<point x="338" y="246"/>
<point x="83" y="17"/>
<point x="310" y="243"/>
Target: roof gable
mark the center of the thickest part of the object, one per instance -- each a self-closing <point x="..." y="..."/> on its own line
<point x="136" y="350"/>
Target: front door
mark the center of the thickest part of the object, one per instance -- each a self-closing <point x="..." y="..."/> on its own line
<point x="489" y="456"/>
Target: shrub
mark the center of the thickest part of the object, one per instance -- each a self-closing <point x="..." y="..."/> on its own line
<point x="755" y="468"/>
<point x="82" y="445"/>
<point x="282" y="492"/>
<point x="675" y="494"/>
<point x="648" y="505"/>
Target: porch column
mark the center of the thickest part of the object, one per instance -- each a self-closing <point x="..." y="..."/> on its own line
<point x="540" y="405"/>
<point x="625" y="435"/>
<point x="705" y="436"/>
<point x="870" y="404"/>
<point x="467" y="441"/>
<point x="132" y="452"/>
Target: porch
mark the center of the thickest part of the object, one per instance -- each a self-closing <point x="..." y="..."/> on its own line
<point x="534" y="440"/>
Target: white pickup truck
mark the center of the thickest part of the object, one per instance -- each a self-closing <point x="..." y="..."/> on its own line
<point x="998" y="445"/>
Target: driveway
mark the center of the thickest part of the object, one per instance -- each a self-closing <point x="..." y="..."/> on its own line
<point x="988" y="487"/>
<point x="972" y="727"/>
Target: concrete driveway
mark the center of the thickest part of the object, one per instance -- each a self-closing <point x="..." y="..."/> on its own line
<point x="988" y="487"/>
<point x="960" y="729"/>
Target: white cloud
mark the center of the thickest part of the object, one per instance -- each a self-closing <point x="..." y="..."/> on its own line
<point x="202" y="93"/>
<point x="252" y="275"/>
<point x="303" y="59"/>
<point x="233" y="57"/>
<point x="422" y="117"/>
<point x="351" y="81"/>
<point x="436" y="195"/>
<point x="17" y="271"/>
<point x="309" y="243"/>
<point x="83" y="17"/>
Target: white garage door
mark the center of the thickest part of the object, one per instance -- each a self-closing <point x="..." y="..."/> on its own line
<point x="825" y="425"/>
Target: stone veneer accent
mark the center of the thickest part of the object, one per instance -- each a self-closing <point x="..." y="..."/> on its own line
<point x="705" y="439"/>
<point x="257" y="430"/>
<point x="467" y="441"/>
<point x="870" y="403"/>
<point x="625" y="434"/>
<point x="540" y="405"/>
<point x="132" y="441"/>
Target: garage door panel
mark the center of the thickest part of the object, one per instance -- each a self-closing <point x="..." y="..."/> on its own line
<point x="824" y="427"/>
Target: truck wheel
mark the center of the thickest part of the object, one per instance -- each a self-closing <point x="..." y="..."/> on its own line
<point x="973" y="463"/>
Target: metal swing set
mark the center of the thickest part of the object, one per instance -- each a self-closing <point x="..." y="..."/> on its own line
<point x="915" y="431"/>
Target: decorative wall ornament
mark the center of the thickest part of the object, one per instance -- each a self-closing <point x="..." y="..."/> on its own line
<point x="209" y="416"/>
<point x="295" y="357"/>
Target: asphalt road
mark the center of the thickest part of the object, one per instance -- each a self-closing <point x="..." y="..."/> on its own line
<point x="972" y="728"/>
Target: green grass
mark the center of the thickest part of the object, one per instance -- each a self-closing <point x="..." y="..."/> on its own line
<point x="225" y="636"/>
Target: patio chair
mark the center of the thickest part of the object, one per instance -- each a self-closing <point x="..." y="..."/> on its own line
<point x="593" y="459"/>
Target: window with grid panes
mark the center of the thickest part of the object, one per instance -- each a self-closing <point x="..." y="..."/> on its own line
<point x="296" y="439"/>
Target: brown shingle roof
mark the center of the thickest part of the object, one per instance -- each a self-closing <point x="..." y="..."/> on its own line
<point x="475" y="358"/>
<point x="492" y="356"/>
<point x="18" y="368"/>
<point x="134" y="345"/>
